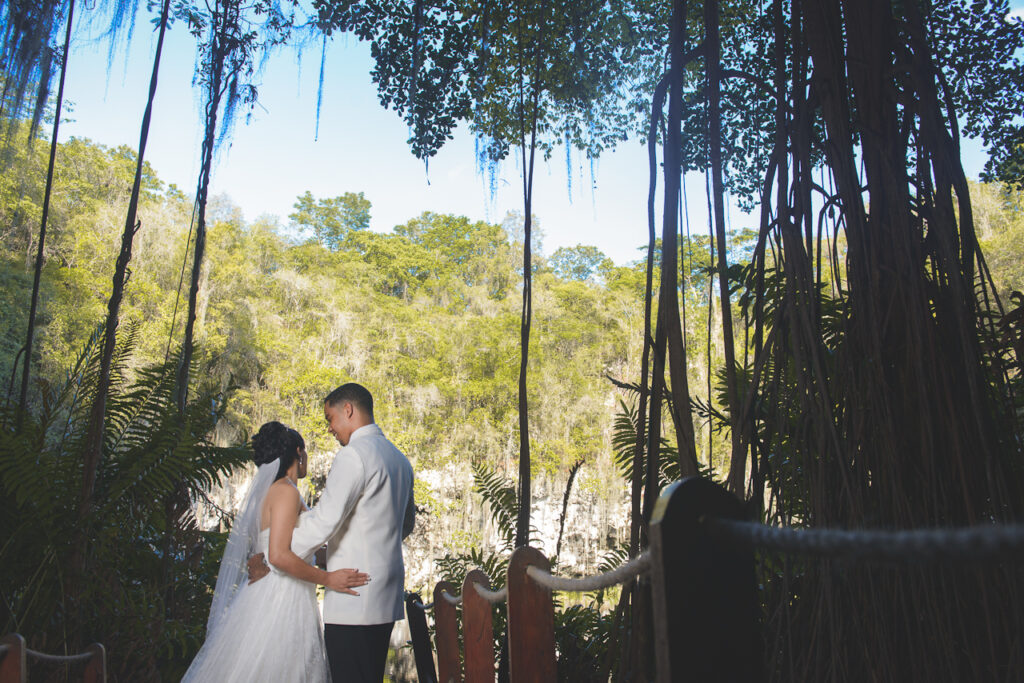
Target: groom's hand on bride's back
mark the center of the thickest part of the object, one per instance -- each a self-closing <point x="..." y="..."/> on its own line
<point x="257" y="567"/>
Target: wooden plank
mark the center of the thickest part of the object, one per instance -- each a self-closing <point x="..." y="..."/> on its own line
<point x="96" y="668"/>
<point x="477" y="630"/>
<point x="531" y="621"/>
<point x="706" y="612"/>
<point x="446" y="635"/>
<point x="422" y="652"/>
<point x="13" y="667"/>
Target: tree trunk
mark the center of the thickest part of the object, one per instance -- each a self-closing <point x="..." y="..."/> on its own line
<point x="523" y="517"/>
<point x="37" y="275"/>
<point x="94" y="435"/>
<point x="218" y="53"/>
<point x="93" y="444"/>
<point x="636" y="527"/>
<point x="737" y="470"/>
<point x="670" y="329"/>
<point x="886" y="413"/>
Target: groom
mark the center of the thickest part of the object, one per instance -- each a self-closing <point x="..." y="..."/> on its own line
<point x="364" y="512"/>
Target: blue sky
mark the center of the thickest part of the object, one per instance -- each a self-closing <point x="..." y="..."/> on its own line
<point x="274" y="157"/>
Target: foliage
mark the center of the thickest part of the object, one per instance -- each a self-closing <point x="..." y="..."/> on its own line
<point x="999" y="216"/>
<point x="425" y="316"/>
<point x="627" y="423"/>
<point x="439" y="62"/>
<point x="579" y="263"/>
<point x="31" y="46"/>
<point x="30" y="52"/>
<point x="582" y="638"/>
<point x="239" y="37"/>
<point x="151" y="568"/>
<point x="501" y="499"/>
<point x="979" y="52"/>
<point x="331" y="219"/>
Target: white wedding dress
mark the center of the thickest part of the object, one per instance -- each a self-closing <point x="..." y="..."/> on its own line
<point x="266" y="631"/>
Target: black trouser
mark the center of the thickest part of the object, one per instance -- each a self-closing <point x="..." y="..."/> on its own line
<point x="357" y="654"/>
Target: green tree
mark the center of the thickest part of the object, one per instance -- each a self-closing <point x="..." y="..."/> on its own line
<point x="578" y="263"/>
<point x="528" y="75"/>
<point x="999" y="217"/>
<point x="239" y="33"/>
<point x="331" y="219"/>
<point x="473" y="253"/>
<point x="93" y="449"/>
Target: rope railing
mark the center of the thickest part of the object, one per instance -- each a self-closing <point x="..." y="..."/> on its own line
<point x="700" y="568"/>
<point x="528" y="593"/>
<point x="59" y="659"/>
<point x="627" y="572"/>
<point x="969" y="544"/>
<point x="14" y="656"/>
<point x="423" y="607"/>
<point x="493" y="597"/>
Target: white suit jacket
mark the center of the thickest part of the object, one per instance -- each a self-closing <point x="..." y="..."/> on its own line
<point x="364" y="512"/>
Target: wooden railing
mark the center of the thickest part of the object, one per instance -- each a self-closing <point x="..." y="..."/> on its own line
<point x="706" y="616"/>
<point x="14" y="657"/>
<point x="699" y="569"/>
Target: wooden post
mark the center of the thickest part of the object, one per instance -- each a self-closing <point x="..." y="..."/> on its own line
<point x="96" y="667"/>
<point x="706" y="610"/>
<point x="531" y="621"/>
<point x="446" y="635"/>
<point x="477" y="630"/>
<point x="13" y="667"/>
<point x="421" y="649"/>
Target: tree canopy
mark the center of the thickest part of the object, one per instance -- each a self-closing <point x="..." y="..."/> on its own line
<point x="331" y="219"/>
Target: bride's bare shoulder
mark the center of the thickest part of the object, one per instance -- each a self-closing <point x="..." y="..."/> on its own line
<point x="282" y="489"/>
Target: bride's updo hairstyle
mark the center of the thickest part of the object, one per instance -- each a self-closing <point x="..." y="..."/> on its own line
<point x="274" y="441"/>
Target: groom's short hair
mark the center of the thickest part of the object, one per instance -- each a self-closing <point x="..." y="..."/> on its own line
<point x="353" y="393"/>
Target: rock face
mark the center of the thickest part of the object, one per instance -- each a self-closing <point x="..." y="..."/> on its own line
<point x="452" y="518"/>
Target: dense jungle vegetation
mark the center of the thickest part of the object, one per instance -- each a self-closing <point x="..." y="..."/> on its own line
<point x="291" y="308"/>
<point x="852" y="361"/>
<point x="427" y="315"/>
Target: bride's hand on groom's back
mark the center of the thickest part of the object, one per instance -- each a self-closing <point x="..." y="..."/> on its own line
<point x="344" y="580"/>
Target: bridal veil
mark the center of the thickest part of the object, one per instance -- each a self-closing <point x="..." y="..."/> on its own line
<point x="242" y="543"/>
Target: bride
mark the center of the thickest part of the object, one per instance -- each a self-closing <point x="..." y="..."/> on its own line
<point x="269" y="630"/>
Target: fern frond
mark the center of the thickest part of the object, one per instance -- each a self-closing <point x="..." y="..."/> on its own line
<point x="500" y="495"/>
<point x="624" y="431"/>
